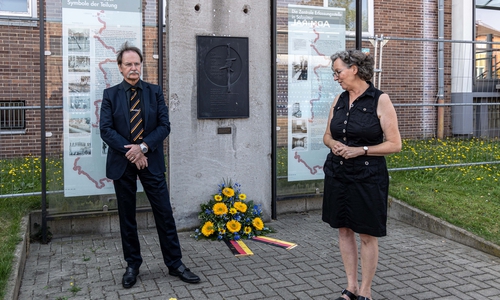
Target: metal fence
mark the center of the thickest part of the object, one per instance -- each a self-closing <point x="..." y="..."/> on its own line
<point x="442" y="89"/>
<point x="450" y="96"/>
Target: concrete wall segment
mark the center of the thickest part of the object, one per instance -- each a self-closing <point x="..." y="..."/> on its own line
<point x="199" y="158"/>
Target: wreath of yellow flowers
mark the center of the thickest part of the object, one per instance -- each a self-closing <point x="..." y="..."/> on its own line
<point x="228" y="215"/>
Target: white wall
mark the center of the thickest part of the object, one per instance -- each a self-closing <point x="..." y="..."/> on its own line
<point x="461" y="82"/>
<point x="462" y="30"/>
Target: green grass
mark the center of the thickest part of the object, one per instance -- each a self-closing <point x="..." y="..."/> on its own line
<point x="23" y="175"/>
<point x="465" y="196"/>
<point x="12" y="210"/>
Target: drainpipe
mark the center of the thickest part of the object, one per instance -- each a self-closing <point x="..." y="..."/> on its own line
<point x="377" y="70"/>
<point x="359" y="24"/>
<point x="274" y="117"/>
<point x="440" y="95"/>
<point x="160" y="43"/>
<point x="490" y="67"/>
<point x="382" y="44"/>
<point x="42" y="121"/>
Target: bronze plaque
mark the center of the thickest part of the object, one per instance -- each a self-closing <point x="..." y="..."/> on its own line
<point x="224" y="130"/>
<point x="222" y="77"/>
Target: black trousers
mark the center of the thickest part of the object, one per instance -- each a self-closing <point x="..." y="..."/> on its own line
<point x="156" y="190"/>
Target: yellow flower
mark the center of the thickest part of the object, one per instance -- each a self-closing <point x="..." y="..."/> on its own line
<point x="242" y="196"/>
<point x="233" y="210"/>
<point x="228" y="192"/>
<point x="257" y="223"/>
<point x="240" y="206"/>
<point x="208" y="228"/>
<point x="248" y="229"/>
<point x="218" y="197"/>
<point x="222" y="230"/>
<point x="220" y="209"/>
<point x="233" y="226"/>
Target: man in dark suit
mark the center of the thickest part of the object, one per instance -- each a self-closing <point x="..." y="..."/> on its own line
<point x="134" y="123"/>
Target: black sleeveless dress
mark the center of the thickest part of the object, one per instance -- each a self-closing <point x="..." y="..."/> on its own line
<point x="356" y="189"/>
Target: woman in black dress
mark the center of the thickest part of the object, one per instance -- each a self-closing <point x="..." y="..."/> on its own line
<point x="362" y="128"/>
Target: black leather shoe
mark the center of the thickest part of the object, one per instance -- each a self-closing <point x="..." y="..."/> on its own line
<point x="184" y="274"/>
<point x="130" y="277"/>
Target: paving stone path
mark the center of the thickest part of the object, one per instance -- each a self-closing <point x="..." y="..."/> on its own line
<point x="414" y="264"/>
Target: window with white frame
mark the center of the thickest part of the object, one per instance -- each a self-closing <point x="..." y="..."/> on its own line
<point x="350" y="9"/>
<point x="18" y="8"/>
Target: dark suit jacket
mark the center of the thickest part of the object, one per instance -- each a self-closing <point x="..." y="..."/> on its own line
<point x="115" y="127"/>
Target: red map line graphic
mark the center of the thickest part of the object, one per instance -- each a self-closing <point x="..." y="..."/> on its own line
<point x="318" y="78"/>
<point x="96" y="112"/>
<point x="101" y="183"/>
<point x="312" y="170"/>
<point x="104" y="73"/>
<point x="316" y="33"/>
<point x="106" y="46"/>
<point x="101" y="21"/>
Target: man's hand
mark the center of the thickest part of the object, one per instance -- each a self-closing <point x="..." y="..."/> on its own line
<point x="141" y="162"/>
<point x="135" y="156"/>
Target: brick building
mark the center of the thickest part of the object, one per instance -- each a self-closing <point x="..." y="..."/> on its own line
<point x="405" y="61"/>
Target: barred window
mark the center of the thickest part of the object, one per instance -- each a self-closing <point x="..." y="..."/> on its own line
<point x="12" y="116"/>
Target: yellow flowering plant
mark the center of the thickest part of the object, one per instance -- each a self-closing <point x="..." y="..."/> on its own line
<point x="228" y="215"/>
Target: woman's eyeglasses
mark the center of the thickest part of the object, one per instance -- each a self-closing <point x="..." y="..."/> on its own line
<point x="337" y="73"/>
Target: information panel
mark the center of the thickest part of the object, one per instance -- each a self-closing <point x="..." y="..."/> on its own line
<point x="314" y="34"/>
<point x="93" y="31"/>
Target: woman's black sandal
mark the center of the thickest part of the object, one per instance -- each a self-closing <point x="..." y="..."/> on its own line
<point x="349" y="294"/>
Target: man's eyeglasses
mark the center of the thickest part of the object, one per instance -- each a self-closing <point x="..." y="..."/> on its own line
<point x="129" y="65"/>
<point x="337" y="73"/>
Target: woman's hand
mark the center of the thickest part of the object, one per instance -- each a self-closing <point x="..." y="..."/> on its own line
<point x="346" y="152"/>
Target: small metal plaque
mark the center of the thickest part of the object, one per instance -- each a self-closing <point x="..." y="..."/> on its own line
<point x="224" y="130"/>
<point x="223" y="91"/>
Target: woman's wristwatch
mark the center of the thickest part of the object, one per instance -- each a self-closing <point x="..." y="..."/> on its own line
<point x="366" y="150"/>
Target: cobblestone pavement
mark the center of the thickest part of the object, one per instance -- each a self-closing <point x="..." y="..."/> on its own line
<point x="414" y="264"/>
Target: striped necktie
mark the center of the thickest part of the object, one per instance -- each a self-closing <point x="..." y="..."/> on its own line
<point x="136" y="128"/>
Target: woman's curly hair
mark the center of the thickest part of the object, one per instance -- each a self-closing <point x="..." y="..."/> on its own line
<point x="363" y="61"/>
